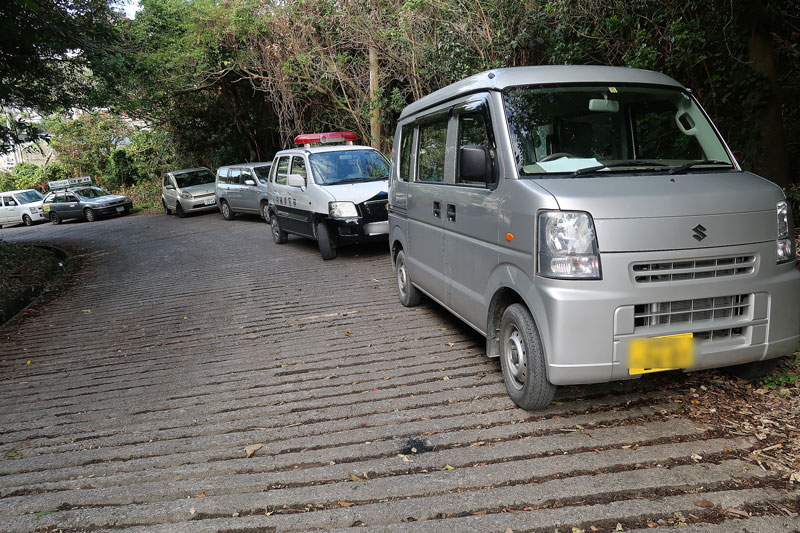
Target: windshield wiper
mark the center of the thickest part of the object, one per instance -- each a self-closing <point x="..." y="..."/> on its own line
<point x="690" y="164"/>
<point x="631" y="163"/>
<point x="356" y="180"/>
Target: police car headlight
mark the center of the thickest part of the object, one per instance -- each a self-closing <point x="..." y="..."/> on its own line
<point x="785" y="243"/>
<point x="342" y="209"/>
<point x="186" y="195"/>
<point x="567" y="247"/>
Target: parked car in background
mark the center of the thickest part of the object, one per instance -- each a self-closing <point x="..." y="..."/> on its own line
<point x="88" y="203"/>
<point x="21" y="207"/>
<point x="188" y="191"/>
<point x="333" y="194"/>
<point x="242" y="189"/>
<point x="592" y="223"/>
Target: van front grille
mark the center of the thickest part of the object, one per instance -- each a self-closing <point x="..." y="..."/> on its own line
<point x="686" y="312"/>
<point x="719" y="334"/>
<point x="375" y="210"/>
<point x="694" y="269"/>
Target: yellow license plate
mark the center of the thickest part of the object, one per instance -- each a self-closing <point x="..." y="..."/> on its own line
<point x="656" y="354"/>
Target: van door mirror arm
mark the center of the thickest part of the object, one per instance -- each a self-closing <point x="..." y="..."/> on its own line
<point x="475" y="164"/>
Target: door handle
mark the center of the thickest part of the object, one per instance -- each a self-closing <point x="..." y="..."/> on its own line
<point x="451" y="213"/>
<point x="437" y="209"/>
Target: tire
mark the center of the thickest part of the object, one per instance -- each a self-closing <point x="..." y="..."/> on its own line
<point x="522" y="360"/>
<point x="409" y="295"/>
<point x="227" y="212"/>
<point x="28" y="221"/>
<point x="326" y="246"/>
<point x="54" y="218"/>
<point x="265" y="212"/>
<point x="278" y="235"/>
<point x="167" y="210"/>
<point x="754" y="370"/>
<point x="179" y="210"/>
<point x="89" y="215"/>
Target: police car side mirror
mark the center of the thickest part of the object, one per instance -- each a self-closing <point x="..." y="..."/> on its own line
<point x="474" y="164"/>
<point x="296" y="180"/>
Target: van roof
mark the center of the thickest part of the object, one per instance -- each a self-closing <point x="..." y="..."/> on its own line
<point x="246" y="165"/>
<point x="502" y="78"/>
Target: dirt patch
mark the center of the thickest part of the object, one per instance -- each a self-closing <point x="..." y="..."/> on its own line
<point x="26" y="272"/>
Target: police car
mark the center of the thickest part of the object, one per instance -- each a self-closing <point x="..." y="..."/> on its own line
<point x="333" y="194"/>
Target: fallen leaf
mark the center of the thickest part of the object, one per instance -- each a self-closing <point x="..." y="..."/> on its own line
<point x="201" y="495"/>
<point x="404" y="458"/>
<point x="704" y="503"/>
<point x="697" y="457"/>
<point x="253" y="448"/>
<point x="451" y="344"/>
<point x="795" y="477"/>
<point x="737" y="512"/>
<point x="619" y="527"/>
<point x="696" y="402"/>
<point x="480" y="513"/>
<point x="508" y="530"/>
<point x="446" y="378"/>
<point x="354" y="477"/>
<point x="345" y="504"/>
<point x="87" y="310"/>
<point x="347" y="334"/>
<point x="577" y="530"/>
<point x="448" y="467"/>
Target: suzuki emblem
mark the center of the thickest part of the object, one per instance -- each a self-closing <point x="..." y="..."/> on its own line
<point x="699" y="232"/>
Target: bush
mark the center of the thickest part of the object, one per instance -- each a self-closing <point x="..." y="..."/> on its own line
<point x="26" y="176"/>
<point x="121" y="170"/>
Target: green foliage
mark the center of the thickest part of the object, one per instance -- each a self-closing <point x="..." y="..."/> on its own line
<point x="121" y="169"/>
<point x="26" y="176"/>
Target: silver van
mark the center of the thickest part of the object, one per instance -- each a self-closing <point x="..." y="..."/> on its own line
<point x="242" y="189"/>
<point x="591" y="223"/>
<point x="21" y="207"/>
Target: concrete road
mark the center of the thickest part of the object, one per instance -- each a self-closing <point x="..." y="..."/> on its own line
<point x="185" y="342"/>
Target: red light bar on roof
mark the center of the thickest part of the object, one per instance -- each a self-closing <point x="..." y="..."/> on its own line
<point x="329" y="137"/>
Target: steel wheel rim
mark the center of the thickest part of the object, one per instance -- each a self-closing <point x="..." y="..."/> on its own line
<point x="514" y="354"/>
<point x="226" y="211"/>
<point x="265" y="213"/>
<point x="402" y="278"/>
<point x="275" y="230"/>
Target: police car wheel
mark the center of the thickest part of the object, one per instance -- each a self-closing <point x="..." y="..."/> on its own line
<point x="227" y="212"/>
<point x="326" y="247"/>
<point x="88" y="214"/>
<point x="265" y="213"/>
<point x="409" y="295"/>
<point x="278" y="235"/>
<point x="522" y="360"/>
<point x="179" y="210"/>
<point x="27" y="220"/>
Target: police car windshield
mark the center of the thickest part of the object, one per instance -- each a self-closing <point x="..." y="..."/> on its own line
<point x="90" y="192"/>
<point x="194" y="177"/>
<point x="348" y="166"/>
<point x="28" y="197"/>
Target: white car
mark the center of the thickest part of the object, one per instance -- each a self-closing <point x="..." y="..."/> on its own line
<point x="333" y="194"/>
<point x="21" y="207"/>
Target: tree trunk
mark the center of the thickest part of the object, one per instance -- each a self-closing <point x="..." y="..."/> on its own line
<point x="375" y="115"/>
<point x="772" y="160"/>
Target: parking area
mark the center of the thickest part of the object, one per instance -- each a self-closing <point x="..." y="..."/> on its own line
<point x="195" y="376"/>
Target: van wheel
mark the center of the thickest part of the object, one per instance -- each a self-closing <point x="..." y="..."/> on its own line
<point x="754" y="370"/>
<point x="522" y="360"/>
<point x="278" y="235"/>
<point x="28" y="221"/>
<point x="408" y="293"/>
<point x="179" y="210"/>
<point x="326" y="247"/>
<point x="54" y="218"/>
<point x="88" y="214"/>
<point x="227" y="212"/>
<point x="167" y="210"/>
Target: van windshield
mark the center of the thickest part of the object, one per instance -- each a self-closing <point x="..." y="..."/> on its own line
<point x="28" y="197"/>
<point x="348" y="166"/>
<point x="591" y="130"/>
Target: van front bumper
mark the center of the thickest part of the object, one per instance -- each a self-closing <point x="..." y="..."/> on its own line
<point x="345" y="230"/>
<point x="586" y="326"/>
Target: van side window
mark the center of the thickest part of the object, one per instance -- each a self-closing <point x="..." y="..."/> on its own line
<point x="247" y="174"/>
<point x="283" y="170"/>
<point x="233" y="176"/>
<point x="432" y="142"/>
<point x="472" y="130"/>
<point x="406" y="142"/>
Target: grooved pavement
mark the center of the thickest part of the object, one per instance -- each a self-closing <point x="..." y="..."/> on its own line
<point x="184" y="341"/>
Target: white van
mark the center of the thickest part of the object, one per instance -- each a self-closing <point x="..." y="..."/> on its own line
<point x="21" y="207"/>
<point x="335" y="195"/>
<point x="593" y="225"/>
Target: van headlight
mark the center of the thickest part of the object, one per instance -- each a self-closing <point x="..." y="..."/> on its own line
<point x="567" y="247"/>
<point x="785" y="248"/>
<point x="342" y="209"/>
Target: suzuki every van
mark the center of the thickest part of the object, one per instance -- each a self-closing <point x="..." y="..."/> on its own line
<point x="591" y="223"/>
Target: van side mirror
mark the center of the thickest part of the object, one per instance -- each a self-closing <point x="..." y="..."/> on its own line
<point x="170" y="187"/>
<point x="296" y="180"/>
<point x="250" y="182"/>
<point x="474" y="164"/>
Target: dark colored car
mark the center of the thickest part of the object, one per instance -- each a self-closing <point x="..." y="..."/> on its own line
<point x="88" y="203"/>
